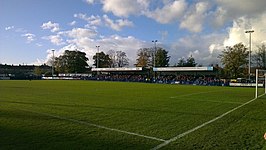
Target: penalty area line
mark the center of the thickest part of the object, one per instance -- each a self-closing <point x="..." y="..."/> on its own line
<point x="202" y="125"/>
<point x="197" y="93"/>
<point x="95" y="125"/>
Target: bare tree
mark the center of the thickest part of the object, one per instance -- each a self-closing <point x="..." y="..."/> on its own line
<point x="112" y="55"/>
<point x="121" y="59"/>
<point x="260" y="56"/>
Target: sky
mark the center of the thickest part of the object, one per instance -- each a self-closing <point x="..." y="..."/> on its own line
<point x="31" y="29"/>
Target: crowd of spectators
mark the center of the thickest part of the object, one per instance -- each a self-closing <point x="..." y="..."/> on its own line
<point x="166" y="79"/>
<point x="195" y="80"/>
<point x="125" y="78"/>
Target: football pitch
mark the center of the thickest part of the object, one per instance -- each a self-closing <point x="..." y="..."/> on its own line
<point x="123" y="115"/>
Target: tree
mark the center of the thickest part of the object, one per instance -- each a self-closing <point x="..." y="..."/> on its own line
<point x="38" y="71"/>
<point x="234" y="59"/>
<point x="190" y="62"/>
<point x="260" y="56"/>
<point x="71" y="62"/>
<point x="181" y="62"/>
<point x="161" y="57"/>
<point x="104" y="60"/>
<point x="112" y="54"/>
<point x="121" y="59"/>
<point x="143" y="58"/>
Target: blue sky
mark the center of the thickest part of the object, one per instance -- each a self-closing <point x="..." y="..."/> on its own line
<point x="30" y="29"/>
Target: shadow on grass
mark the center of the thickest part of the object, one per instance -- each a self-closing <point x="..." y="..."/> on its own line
<point x="22" y="130"/>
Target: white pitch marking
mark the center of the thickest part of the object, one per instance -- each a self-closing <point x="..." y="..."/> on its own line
<point x="202" y="125"/>
<point x="194" y="94"/>
<point x="219" y="101"/>
<point x="95" y="125"/>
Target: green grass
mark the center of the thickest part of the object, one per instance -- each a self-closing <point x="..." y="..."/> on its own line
<point x="30" y="114"/>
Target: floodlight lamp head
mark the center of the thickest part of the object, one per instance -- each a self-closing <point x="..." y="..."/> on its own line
<point x="249" y="31"/>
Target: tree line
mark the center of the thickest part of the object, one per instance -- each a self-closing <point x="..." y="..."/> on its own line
<point x="234" y="59"/>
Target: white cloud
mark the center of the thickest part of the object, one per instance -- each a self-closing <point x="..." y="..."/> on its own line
<point x="72" y="23"/>
<point x="90" y="1"/>
<point x="92" y="18"/>
<point x="29" y="37"/>
<point x="81" y="33"/>
<point x="228" y="10"/>
<point x="81" y="16"/>
<point x="77" y="39"/>
<point x="55" y="39"/>
<point x="119" y="43"/>
<point x="114" y="42"/>
<point x="169" y="13"/>
<point x="117" y="24"/>
<point x="204" y="48"/>
<point x="93" y="21"/>
<point x="9" y="28"/>
<point x="54" y="27"/>
<point x="39" y="44"/>
<point x="236" y="33"/>
<point x="219" y="17"/>
<point x="64" y="37"/>
<point x="194" y="18"/>
<point x="38" y="62"/>
<point x="124" y="8"/>
<point x="239" y="7"/>
<point x="49" y="56"/>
